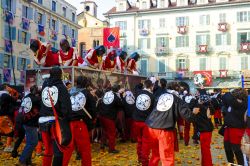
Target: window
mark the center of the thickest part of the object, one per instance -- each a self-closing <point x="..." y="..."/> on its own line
<point x="40" y="1"/>
<point x="161" y="66"/>
<point x="243" y="37"/>
<point x="94" y="44"/>
<point x="97" y="42"/>
<point x="144" y="5"/>
<point x="204" y="19"/>
<point x="223" y="39"/>
<point x="73" y="33"/>
<point x="222" y="17"/>
<point x="54" y="6"/>
<point x="21" y="63"/>
<point x="8" y="5"/>
<point x="144" y="66"/>
<point x="182" y="41"/>
<point x="25" y="11"/>
<point x="123" y="44"/>
<point x="6" y="61"/>
<point x="244" y="63"/>
<point x="64" y="11"/>
<point x="202" y="39"/>
<point x="182" y="21"/>
<point x="53" y="24"/>
<point x="121" y="6"/>
<point x="82" y="48"/>
<point x="203" y="63"/>
<point x="223" y="63"/>
<point x="243" y="16"/>
<point x="144" y="24"/>
<point x="162" y="3"/>
<point x="162" y="23"/>
<point x="39" y="18"/>
<point x="144" y="43"/>
<point x="73" y="17"/>
<point x="9" y="32"/>
<point x="161" y="42"/>
<point x="121" y="24"/>
<point x="181" y="64"/>
<point x="64" y="31"/>
<point x="24" y="37"/>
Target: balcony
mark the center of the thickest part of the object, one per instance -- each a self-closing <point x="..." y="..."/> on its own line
<point x="203" y="49"/>
<point x="245" y="47"/>
<point x="144" y="32"/>
<point x="161" y="51"/>
<point x="223" y="27"/>
<point x="182" y="30"/>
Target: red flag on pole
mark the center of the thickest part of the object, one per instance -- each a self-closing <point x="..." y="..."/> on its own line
<point x="111" y="37"/>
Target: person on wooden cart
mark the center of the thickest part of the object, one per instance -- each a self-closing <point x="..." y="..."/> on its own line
<point x="43" y="54"/>
<point x="67" y="55"/>
<point x="131" y="63"/>
<point x="93" y="59"/>
<point x="109" y="62"/>
<point x="120" y="61"/>
<point x="83" y="113"/>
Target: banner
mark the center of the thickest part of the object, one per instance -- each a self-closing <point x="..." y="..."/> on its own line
<point x="9" y="17"/>
<point x="111" y="37"/>
<point x="223" y="73"/>
<point x="6" y="75"/>
<point x="73" y="42"/>
<point x="25" y="23"/>
<point x="41" y="30"/>
<point x="8" y="46"/>
<point x="54" y="35"/>
<point x="203" y="78"/>
<point x="22" y="76"/>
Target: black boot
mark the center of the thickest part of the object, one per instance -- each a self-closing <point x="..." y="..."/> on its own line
<point x="229" y="152"/>
<point x="238" y="153"/>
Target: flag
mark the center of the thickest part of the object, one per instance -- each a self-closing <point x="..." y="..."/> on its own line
<point x="203" y="78"/>
<point x="6" y="75"/>
<point x="180" y="74"/>
<point x="22" y="76"/>
<point x="111" y="37"/>
<point x="25" y="23"/>
<point x="8" y="45"/>
<point x="54" y="35"/>
<point x="73" y="41"/>
<point x="9" y="17"/>
<point x="41" y="30"/>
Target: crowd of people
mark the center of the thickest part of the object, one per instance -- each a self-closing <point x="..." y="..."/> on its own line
<point x="155" y="114"/>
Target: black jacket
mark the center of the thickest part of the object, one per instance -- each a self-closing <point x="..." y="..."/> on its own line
<point x="144" y="103"/>
<point x="7" y="104"/>
<point x="110" y="105"/>
<point x="235" y="111"/>
<point x="61" y="98"/>
<point x="30" y="114"/>
<point x="167" y="109"/>
<point x="201" y="121"/>
<point x="82" y="98"/>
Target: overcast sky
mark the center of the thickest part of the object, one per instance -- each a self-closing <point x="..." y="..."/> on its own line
<point x="103" y="6"/>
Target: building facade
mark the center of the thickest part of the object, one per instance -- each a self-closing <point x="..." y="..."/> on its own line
<point x="177" y="37"/>
<point x="22" y="20"/>
<point x="91" y="33"/>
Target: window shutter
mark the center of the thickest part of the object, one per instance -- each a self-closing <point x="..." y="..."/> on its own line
<point x="201" y="20"/>
<point x="4" y="4"/>
<point x="6" y="31"/>
<point x="44" y="19"/>
<point x="57" y="26"/>
<point x="228" y="39"/>
<point x="139" y="24"/>
<point x="148" y="43"/>
<point x="187" y="64"/>
<point x="248" y="16"/>
<point x="248" y="36"/>
<point x="27" y="63"/>
<point x="14" y="62"/>
<point x="1" y="60"/>
<point x="187" y="41"/>
<point x="218" y="39"/>
<point x="177" y="64"/>
<point x="238" y="16"/>
<point x="177" y="21"/>
<point x="187" y="21"/>
<point x="19" y="36"/>
<point x="208" y="20"/>
<point x="30" y="13"/>
<point x="50" y="22"/>
<point x="157" y="42"/>
<point x="19" y="63"/>
<point x="13" y="6"/>
<point x="35" y="16"/>
<point x="28" y="38"/>
<point x="13" y="33"/>
<point x="139" y="43"/>
<point x="149" y="24"/>
<point x="198" y="40"/>
<point x="208" y="39"/>
<point x="76" y="35"/>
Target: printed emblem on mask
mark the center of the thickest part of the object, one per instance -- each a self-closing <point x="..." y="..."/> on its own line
<point x="108" y="97"/>
<point x="78" y="101"/>
<point x="130" y="99"/>
<point x="53" y="93"/>
<point x="26" y="105"/>
<point x="229" y="109"/>
<point x="165" y="102"/>
<point x="143" y="102"/>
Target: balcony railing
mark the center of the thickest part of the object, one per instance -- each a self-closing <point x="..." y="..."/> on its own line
<point x="203" y="48"/>
<point x="144" y="32"/>
<point x="161" y="51"/>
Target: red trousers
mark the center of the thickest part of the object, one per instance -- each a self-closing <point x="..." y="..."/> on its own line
<point x="233" y="135"/>
<point x="205" y="142"/>
<point x="80" y="137"/>
<point x="143" y="142"/>
<point x="186" y="132"/>
<point x="109" y="131"/>
<point x="129" y="130"/>
<point x="162" y="147"/>
<point x="48" y="152"/>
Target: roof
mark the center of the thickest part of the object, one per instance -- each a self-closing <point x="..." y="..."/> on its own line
<point x="90" y="2"/>
<point x="136" y="9"/>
